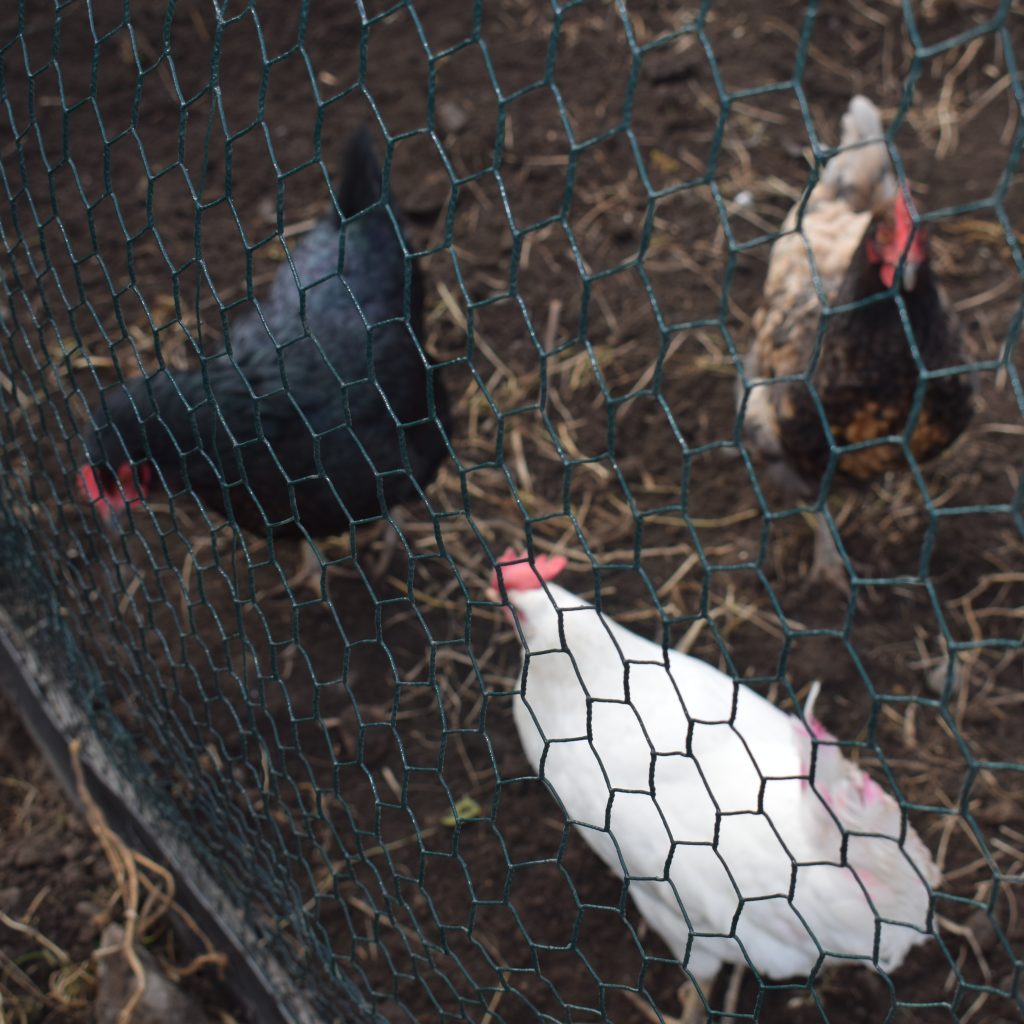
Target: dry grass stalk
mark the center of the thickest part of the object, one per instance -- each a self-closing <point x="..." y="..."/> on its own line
<point x="134" y="873"/>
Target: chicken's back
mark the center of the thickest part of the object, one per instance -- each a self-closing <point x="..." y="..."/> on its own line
<point x="347" y="407"/>
<point x="321" y="407"/>
<point x="805" y="267"/>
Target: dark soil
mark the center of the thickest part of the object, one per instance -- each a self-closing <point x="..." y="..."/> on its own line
<point x="339" y="733"/>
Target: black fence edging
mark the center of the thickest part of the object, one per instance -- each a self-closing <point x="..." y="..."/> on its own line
<point x="256" y="993"/>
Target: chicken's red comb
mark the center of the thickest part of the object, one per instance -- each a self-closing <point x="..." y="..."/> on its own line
<point x="518" y="574"/>
<point x="109" y="499"/>
<point x="88" y="484"/>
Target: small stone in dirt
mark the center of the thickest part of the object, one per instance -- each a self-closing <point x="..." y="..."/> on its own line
<point x="39" y="850"/>
<point x="9" y="898"/>
<point x="162" y="1000"/>
<point x="937" y="677"/>
<point x="86" y="908"/>
<point x="453" y="118"/>
<point x="74" y="850"/>
<point x="89" y="914"/>
<point x="984" y="930"/>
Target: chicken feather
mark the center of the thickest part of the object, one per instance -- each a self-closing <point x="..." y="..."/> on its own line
<point x="743" y="832"/>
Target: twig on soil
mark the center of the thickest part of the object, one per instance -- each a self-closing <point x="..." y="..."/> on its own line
<point x="125" y="864"/>
<point x="36" y="936"/>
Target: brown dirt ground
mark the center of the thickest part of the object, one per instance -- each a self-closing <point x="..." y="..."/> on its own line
<point x="55" y="878"/>
<point x="514" y="897"/>
<point x="54" y="874"/>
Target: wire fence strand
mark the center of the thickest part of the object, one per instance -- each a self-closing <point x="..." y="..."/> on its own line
<point x="308" y="314"/>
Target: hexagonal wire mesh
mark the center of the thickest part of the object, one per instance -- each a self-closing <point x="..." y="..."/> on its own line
<point x="579" y="204"/>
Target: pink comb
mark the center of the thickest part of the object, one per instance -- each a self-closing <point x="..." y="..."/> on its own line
<point x="108" y="499"/>
<point x="904" y="230"/>
<point x="89" y="485"/>
<point x="518" y="574"/>
<point x="903" y="212"/>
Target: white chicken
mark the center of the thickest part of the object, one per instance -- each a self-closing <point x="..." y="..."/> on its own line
<point x="744" y="835"/>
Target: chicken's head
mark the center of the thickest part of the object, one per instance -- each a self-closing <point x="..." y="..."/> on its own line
<point x="117" y="472"/>
<point x="896" y="237"/>
<point x="523" y="581"/>
<point x="113" y="492"/>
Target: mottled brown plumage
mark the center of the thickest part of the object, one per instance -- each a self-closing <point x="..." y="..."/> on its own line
<point x="853" y="239"/>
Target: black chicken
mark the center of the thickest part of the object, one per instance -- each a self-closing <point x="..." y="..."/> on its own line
<point x="320" y="409"/>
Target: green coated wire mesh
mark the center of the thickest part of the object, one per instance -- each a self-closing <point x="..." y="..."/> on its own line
<point x="588" y="193"/>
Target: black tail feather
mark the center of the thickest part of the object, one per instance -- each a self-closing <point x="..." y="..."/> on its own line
<point x="361" y="177"/>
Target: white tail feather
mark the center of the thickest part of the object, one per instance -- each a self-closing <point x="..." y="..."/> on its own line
<point x="861" y="173"/>
<point x="889" y="867"/>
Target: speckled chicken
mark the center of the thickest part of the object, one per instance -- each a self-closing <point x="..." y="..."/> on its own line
<point x="857" y="235"/>
<point x="321" y="407"/>
<point x="744" y="831"/>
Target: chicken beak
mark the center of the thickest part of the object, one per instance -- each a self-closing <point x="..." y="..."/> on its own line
<point x="910" y="271"/>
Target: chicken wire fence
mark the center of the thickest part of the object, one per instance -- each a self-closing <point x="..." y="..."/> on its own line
<point x="332" y="741"/>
